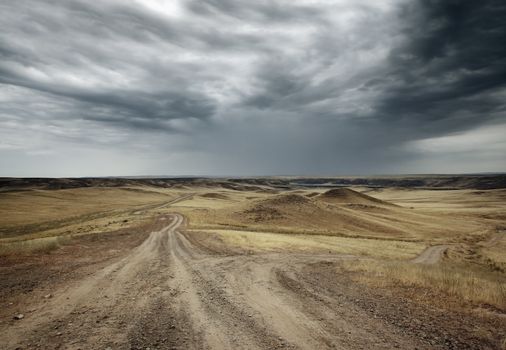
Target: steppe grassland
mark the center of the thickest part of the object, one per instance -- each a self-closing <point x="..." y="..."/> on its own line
<point x="475" y="285"/>
<point x="479" y="217"/>
<point x="41" y="220"/>
<point x="486" y="208"/>
<point x="398" y="223"/>
<point x="36" y="220"/>
<point x="52" y="213"/>
<point x="279" y="242"/>
<point x="44" y="219"/>
<point x="37" y="206"/>
<point x="444" y="200"/>
<point x="496" y="252"/>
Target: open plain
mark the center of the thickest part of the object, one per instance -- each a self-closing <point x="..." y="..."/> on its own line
<point x="266" y="263"/>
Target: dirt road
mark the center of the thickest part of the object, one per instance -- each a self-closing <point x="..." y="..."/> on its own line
<point x="431" y="255"/>
<point x="169" y="293"/>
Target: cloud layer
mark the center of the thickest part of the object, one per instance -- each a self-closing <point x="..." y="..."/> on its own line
<point x="239" y="87"/>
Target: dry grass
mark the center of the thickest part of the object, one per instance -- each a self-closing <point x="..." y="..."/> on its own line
<point x="399" y="232"/>
<point x="265" y="213"/>
<point x="202" y="202"/>
<point x="496" y="254"/>
<point x="111" y="222"/>
<point x="38" y="245"/>
<point x="33" y="214"/>
<point x="495" y="248"/>
<point x="477" y="287"/>
<point x="38" y="221"/>
<point x="443" y="200"/>
<point x="268" y="241"/>
<point x="38" y="206"/>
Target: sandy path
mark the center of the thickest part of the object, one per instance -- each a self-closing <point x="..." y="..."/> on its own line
<point x="431" y="255"/>
<point x="168" y="294"/>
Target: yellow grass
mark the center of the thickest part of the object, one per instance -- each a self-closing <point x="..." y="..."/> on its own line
<point x="268" y="241"/>
<point x="443" y="200"/>
<point x="37" y="245"/>
<point x="478" y="287"/>
<point x="26" y="215"/>
<point x="496" y="252"/>
<point x="446" y="224"/>
<point x="108" y="223"/>
<point x="37" y="206"/>
<point x="199" y="202"/>
<point x="438" y="217"/>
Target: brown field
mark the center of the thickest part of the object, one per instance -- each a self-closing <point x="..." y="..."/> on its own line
<point x="253" y="263"/>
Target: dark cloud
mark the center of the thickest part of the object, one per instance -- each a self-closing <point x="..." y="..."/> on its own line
<point x="451" y="70"/>
<point x="251" y="87"/>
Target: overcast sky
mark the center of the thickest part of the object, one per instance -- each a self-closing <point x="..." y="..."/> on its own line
<point x="241" y="87"/>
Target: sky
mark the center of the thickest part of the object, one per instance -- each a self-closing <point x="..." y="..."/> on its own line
<point x="246" y="88"/>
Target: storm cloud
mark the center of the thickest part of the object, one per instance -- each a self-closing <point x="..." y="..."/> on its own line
<point x="236" y="87"/>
